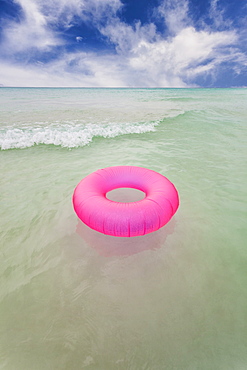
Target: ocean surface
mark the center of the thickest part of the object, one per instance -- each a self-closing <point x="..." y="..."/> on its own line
<point x="72" y="298"/>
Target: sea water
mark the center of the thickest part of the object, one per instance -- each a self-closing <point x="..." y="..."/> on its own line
<point x="72" y="298"/>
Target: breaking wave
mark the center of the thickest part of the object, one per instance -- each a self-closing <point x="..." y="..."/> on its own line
<point x="68" y="135"/>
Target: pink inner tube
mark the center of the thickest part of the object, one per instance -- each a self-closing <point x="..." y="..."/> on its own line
<point x="125" y="219"/>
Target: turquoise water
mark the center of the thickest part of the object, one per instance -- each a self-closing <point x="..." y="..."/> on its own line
<point x="72" y="298"/>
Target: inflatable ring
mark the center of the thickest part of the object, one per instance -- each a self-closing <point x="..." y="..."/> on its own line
<point x="125" y="219"/>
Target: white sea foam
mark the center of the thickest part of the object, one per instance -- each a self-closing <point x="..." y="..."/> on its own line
<point x="68" y="135"/>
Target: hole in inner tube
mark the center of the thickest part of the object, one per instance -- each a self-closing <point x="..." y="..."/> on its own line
<point x="125" y="195"/>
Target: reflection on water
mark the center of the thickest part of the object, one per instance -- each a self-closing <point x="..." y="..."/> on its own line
<point x="108" y="246"/>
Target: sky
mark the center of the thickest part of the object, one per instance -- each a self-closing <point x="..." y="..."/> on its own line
<point x="123" y="43"/>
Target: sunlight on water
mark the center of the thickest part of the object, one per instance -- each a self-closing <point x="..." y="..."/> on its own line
<point x="72" y="298"/>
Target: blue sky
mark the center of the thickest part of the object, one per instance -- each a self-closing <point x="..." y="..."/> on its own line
<point x="123" y="43"/>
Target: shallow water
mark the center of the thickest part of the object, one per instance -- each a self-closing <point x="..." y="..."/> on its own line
<point x="72" y="298"/>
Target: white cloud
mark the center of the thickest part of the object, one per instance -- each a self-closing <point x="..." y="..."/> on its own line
<point x="126" y="37"/>
<point x="88" y="70"/>
<point x="174" y="14"/>
<point x="158" y="63"/>
<point x="64" y="11"/>
<point x="35" y="29"/>
<point x="169" y="62"/>
<point x="217" y="15"/>
<point x="31" y="31"/>
<point x="143" y="56"/>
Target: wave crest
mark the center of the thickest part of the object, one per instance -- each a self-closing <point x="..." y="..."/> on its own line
<point x="68" y="135"/>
